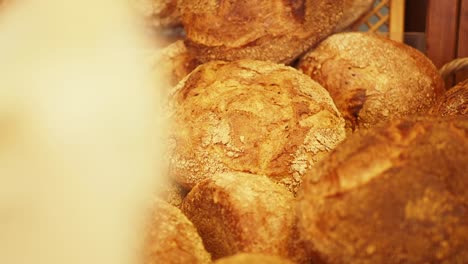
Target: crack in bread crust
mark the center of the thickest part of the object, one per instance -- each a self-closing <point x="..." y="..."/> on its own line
<point x="251" y="116"/>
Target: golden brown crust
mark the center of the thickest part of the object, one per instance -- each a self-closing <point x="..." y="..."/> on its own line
<point x="238" y="212"/>
<point x="175" y="62"/>
<point x="454" y="101"/>
<point x="172" y="238"/>
<point x="352" y="11"/>
<point x="395" y="194"/>
<point x="372" y="79"/>
<point x="159" y="13"/>
<point x="273" y="30"/>
<point x="251" y="116"/>
<point x="245" y="258"/>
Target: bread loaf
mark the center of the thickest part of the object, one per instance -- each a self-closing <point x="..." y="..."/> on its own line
<point x="245" y="258"/>
<point x="372" y="79"/>
<point x="250" y="116"/>
<point x="396" y="194"/>
<point x="454" y="101"/>
<point x="171" y="238"/>
<point x="238" y="212"/>
<point x="273" y="30"/>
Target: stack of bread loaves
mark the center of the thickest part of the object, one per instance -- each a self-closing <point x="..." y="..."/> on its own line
<point x="347" y="159"/>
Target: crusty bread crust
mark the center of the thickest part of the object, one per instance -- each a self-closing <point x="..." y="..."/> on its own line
<point x="245" y="258"/>
<point x="454" y="101"/>
<point x="272" y="30"/>
<point x="172" y="238"/>
<point x="372" y="79"/>
<point x="238" y="212"/>
<point x="250" y="116"/>
<point x="395" y="194"/>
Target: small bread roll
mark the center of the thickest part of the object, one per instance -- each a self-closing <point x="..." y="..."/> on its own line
<point x="244" y="258"/>
<point x="172" y="238"/>
<point x="454" y="101"/>
<point x="251" y="116"/>
<point x="352" y="11"/>
<point x="394" y="195"/>
<point x="373" y="79"/>
<point x="272" y="30"/>
<point x="175" y="62"/>
<point x="159" y="13"/>
<point x="238" y="212"/>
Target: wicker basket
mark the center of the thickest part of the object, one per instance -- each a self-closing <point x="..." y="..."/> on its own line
<point x="450" y="69"/>
<point x="386" y="17"/>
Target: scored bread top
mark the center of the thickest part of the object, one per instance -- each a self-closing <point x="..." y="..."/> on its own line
<point x="250" y="116"/>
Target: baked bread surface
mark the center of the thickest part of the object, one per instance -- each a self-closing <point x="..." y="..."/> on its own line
<point x="271" y="30"/>
<point x="373" y="79"/>
<point x="395" y="194"/>
<point x="250" y="116"/>
<point x="454" y="101"/>
<point x="171" y="238"/>
<point x="243" y="213"/>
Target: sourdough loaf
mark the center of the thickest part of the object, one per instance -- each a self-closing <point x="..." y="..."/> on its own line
<point x="372" y="79"/>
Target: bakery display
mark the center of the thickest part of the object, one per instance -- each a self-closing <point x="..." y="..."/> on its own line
<point x="395" y="194"/>
<point x="250" y="116"/>
<point x="271" y="30"/>
<point x="372" y="79"/>
<point x="245" y="258"/>
<point x="243" y="213"/>
<point x="171" y="238"/>
<point x="278" y="137"/>
<point x="454" y="101"/>
<point x="352" y="11"/>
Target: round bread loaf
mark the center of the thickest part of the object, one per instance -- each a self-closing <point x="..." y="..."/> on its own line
<point x="396" y="194"/>
<point x="372" y="79"/>
<point x="175" y="62"/>
<point x="273" y="30"/>
<point x="352" y="11"/>
<point x="171" y="238"/>
<point x="238" y="212"/>
<point x="251" y="116"/>
<point x="244" y="258"/>
<point x="454" y="101"/>
<point x="159" y="13"/>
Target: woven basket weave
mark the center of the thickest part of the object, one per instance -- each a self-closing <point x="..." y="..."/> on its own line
<point x="453" y="67"/>
<point x="386" y="18"/>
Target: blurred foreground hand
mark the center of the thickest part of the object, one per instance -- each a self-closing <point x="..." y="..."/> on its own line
<point x="79" y="132"/>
